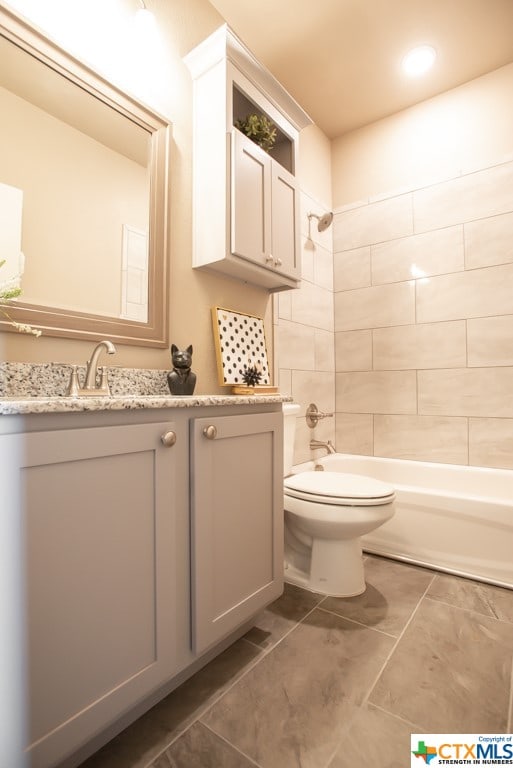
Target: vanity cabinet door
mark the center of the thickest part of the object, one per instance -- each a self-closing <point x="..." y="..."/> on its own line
<point x="236" y="523"/>
<point x="99" y="529"/>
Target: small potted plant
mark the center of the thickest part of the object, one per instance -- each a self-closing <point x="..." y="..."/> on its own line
<point x="259" y="129"/>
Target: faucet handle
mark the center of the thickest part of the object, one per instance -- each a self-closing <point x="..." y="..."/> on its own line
<point x="104" y="381"/>
<point x="73" y="384"/>
<point x="313" y="414"/>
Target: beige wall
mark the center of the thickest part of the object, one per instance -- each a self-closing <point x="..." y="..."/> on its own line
<point x="424" y="279"/>
<point x="157" y="75"/>
<point x="304" y="333"/>
<point x="467" y="128"/>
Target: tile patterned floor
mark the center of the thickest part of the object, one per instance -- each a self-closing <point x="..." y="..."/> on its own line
<point x="326" y="682"/>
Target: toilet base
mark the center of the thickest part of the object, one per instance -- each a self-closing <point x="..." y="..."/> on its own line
<point x="336" y="569"/>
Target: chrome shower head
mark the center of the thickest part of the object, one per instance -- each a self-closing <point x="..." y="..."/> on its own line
<point x="323" y="222"/>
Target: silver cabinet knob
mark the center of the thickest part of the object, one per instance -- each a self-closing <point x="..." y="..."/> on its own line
<point x="278" y="262"/>
<point x="168" y="439"/>
<point x="210" y="432"/>
<point x="269" y="257"/>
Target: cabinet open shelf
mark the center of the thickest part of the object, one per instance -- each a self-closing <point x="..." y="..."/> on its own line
<point x="283" y="149"/>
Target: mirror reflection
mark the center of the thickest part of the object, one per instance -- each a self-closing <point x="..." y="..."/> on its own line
<point x="83" y="184"/>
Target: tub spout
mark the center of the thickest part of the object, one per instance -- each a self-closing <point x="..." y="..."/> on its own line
<point x="330" y="448"/>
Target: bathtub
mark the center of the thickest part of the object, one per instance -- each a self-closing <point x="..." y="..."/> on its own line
<point x="449" y="517"/>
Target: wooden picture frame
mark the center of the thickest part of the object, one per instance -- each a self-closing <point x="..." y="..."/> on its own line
<point x="240" y="343"/>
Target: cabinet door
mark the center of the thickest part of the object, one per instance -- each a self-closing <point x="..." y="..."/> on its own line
<point x="237" y="521"/>
<point x="250" y="201"/>
<point x="99" y="530"/>
<point x="285" y="222"/>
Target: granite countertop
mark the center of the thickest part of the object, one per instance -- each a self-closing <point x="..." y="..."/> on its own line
<point x="18" y="404"/>
<point x="41" y="388"/>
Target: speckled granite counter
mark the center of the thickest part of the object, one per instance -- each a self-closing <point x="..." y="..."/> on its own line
<point x="41" y="388"/>
<point x="20" y="405"/>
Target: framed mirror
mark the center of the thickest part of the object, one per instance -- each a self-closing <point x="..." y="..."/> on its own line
<point x="83" y="196"/>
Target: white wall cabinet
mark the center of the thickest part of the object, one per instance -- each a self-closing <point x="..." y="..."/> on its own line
<point x="236" y="521"/>
<point x="110" y="529"/>
<point x="264" y="210"/>
<point x="245" y="201"/>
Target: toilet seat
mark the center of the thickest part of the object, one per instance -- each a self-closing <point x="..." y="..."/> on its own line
<point x="338" y="488"/>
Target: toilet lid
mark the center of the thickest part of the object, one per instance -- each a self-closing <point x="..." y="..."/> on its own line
<point x="330" y="487"/>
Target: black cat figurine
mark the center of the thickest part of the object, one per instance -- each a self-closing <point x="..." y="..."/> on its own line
<point x="181" y="380"/>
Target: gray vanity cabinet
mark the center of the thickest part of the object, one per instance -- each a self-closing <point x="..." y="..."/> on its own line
<point x="236" y="521"/>
<point x="100" y="543"/>
<point x="143" y="556"/>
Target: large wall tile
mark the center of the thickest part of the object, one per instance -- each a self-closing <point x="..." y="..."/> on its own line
<point x="284" y="300"/>
<point x="433" y="253"/>
<point x="466" y="392"/>
<point x="314" y="387"/>
<point x="432" y="345"/>
<point x="353" y="350"/>
<point x="313" y="306"/>
<point x="308" y="249"/>
<point x="475" y="293"/>
<point x="376" y="306"/>
<point x="323" y="267"/>
<point x="490" y="341"/>
<point x="354" y="433"/>
<point x="491" y="442"/>
<point x="489" y="241"/>
<point x="376" y="392"/>
<point x="324" y="350"/>
<point x="285" y="381"/>
<point x="373" y="223"/>
<point x="295" y="346"/>
<point x="352" y="269"/>
<point x="485" y="193"/>
<point x="424" y="438"/>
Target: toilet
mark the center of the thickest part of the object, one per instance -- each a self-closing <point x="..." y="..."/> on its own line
<point x="326" y="513"/>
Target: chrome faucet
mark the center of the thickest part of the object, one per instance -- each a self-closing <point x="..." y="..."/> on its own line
<point x="319" y="444"/>
<point x="90" y="388"/>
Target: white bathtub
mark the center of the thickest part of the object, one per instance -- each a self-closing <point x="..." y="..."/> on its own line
<point x="453" y="518"/>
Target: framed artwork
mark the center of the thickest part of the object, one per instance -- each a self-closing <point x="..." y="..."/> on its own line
<point x="240" y="344"/>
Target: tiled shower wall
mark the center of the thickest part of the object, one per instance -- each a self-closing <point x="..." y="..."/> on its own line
<point x="423" y="290"/>
<point x="304" y="340"/>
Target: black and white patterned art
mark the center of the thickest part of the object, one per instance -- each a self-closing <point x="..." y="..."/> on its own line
<point x="240" y="344"/>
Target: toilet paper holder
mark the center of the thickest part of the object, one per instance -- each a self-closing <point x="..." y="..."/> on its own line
<point x="313" y="414"/>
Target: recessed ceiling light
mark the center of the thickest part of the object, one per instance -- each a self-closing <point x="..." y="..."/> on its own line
<point x="418" y="60"/>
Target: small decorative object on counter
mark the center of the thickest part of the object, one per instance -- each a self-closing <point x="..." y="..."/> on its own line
<point x="251" y="375"/>
<point x="181" y="380"/>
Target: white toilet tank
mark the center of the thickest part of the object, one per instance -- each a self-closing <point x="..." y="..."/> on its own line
<point x="290" y="413"/>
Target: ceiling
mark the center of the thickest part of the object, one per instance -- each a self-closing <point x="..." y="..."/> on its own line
<point x="340" y="59"/>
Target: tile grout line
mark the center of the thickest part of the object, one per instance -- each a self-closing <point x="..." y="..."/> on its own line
<point x="225" y="740"/>
<point x="265" y="652"/>
<point x="468" y="610"/>
<point x="365" y="699"/>
<point x="359" y="623"/>
<point x="399" y="638"/>
<point x="396" y="717"/>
